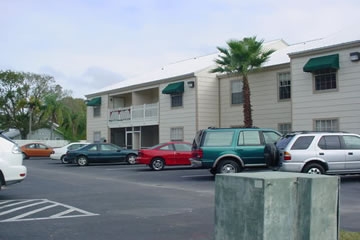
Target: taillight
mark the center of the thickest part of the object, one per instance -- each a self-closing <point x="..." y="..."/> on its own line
<point x="287" y="156"/>
<point x="197" y="153"/>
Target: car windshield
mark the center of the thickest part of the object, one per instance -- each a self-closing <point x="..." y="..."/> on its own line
<point x="7" y="138"/>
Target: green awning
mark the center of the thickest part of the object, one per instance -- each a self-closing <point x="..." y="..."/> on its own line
<point x="324" y="62"/>
<point x="174" y="88"/>
<point x="94" y="102"/>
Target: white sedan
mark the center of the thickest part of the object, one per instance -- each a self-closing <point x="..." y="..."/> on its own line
<point x="60" y="153"/>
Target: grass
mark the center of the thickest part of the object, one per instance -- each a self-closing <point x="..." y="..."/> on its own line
<point x="344" y="235"/>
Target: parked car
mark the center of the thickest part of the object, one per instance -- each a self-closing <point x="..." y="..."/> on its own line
<point x="60" y="153"/>
<point x="101" y="153"/>
<point x="165" y="154"/>
<point x="230" y="150"/>
<point x="12" y="169"/>
<point x="36" y="150"/>
<point x="318" y="152"/>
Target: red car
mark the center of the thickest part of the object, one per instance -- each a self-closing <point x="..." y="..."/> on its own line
<point x="170" y="154"/>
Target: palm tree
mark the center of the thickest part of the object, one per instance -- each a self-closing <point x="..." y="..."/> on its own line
<point x="241" y="58"/>
<point x="54" y="111"/>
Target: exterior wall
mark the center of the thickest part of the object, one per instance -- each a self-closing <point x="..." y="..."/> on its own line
<point x="342" y="104"/>
<point x="207" y="87"/>
<point x="97" y="124"/>
<point x="45" y="134"/>
<point x="179" y="116"/>
<point x="268" y="111"/>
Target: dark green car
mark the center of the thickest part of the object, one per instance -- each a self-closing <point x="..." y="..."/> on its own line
<point x="101" y="153"/>
<point x="230" y="150"/>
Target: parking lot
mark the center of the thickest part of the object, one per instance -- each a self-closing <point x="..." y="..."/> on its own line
<point x="118" y="201"/>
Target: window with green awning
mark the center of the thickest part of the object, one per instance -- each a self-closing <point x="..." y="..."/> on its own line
<point x="174" y="88"/>
<point x="320" y="63"/>
<point x="94" y="102"/>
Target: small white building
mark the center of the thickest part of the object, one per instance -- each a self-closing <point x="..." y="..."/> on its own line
<point x="306" y="86"/>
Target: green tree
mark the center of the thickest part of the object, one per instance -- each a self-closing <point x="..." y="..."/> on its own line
<point x="30" y="101"/>
<point x="241" y="57"/>
<point x="20" y="99"/>
<point x="74" y="125"/>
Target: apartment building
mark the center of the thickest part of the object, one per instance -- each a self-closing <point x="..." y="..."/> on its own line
<point x="312" y="85"/>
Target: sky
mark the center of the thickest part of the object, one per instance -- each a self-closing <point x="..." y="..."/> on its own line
<point x="87" y="45"/>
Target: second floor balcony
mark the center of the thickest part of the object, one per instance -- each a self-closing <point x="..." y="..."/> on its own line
<point x="139" y="115"/>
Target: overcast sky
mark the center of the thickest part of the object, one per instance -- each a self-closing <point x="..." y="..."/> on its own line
<point x="90" y="44"/>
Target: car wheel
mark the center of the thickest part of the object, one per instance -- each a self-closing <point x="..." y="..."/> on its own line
<point x="24" y="156"/>
<point x="271" y="155"/>
<point x="313" y="168"/>
<point x="157" y="164"/>
<point x="131" y="159"/>
<point x="82" y="161"/>
<point x="228" y="166"/>
<point x="63" y="160"/>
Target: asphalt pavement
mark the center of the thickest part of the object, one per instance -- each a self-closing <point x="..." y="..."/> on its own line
<point x="119" y="201"/>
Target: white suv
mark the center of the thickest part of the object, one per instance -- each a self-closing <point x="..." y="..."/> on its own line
<point x="12" y="169"/>
<point x="319" y="152"/>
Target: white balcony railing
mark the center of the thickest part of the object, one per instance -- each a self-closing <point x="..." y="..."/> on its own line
<point x="140" y="115"/>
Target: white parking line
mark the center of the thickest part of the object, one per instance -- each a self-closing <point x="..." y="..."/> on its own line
<point x="24" y="215"/>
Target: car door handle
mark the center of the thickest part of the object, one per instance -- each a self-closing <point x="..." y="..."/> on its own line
<point x="321" y="154"/>
<point x="350" y="153"/>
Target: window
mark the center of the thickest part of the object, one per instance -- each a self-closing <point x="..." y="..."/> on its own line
<point x="237" y="96"/>
<point x="182" y="147"/>
<point x="97" y="111"/>
<point x="284" y="86"/>
<point x="108" y="147"/>
<point x="168" y="147"/>
<point x="284" y="128"/>
<point x="176" y="100"/>
<point x="329" y="142"/>
<point x="218" y="139"/>
<point x="249" y="138"/>
<point x="327" y="125"/>
<point x="177" y="134"/>
<point x="351" y="142"/>
<point x="97" y="136"/>
<point x="271" y="137"/>
<point x="302" y="143"/>
<point x="325" y="79"/>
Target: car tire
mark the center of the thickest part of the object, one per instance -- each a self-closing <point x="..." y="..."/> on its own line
<point x="63" y="160"/>
<point x="131" y="159"/>
<point x="82" y="161"/>
<point x="157" y="164"/>
<point x="313" y="168"/>
<point x="271" y="155"/>
<point x="228" y="166"/>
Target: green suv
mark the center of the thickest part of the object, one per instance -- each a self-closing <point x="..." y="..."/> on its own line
<point x="230" y="150"/>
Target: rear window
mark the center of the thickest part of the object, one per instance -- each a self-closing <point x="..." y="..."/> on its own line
<point x="302" y="143"/>
<point x="284" y="141"/>
<point x="197" y="139"/>
<point x="223" y="138"/>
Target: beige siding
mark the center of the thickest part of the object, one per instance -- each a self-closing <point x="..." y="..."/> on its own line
<point x="97" y="124"/>
<point x="179" y="117"/>
<point x="207" y="100"/>
<point x="342" y="104"/>
<point x="268" y="111"/>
